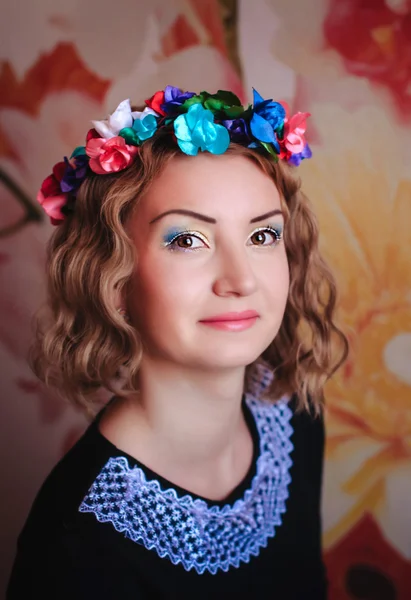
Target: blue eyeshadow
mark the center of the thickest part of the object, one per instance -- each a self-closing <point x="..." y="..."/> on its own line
<point x="171" y="234"/>
<point x="278" y="227"/>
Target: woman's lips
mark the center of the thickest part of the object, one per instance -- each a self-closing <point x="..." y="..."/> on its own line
<point x="232" y="321"/>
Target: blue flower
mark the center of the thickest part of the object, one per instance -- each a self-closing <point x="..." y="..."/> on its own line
<point x="268" y="116"/>
<point x="174" y="98"/>
<point x="296" y="159"/>
<point x="196" y="131"/>
<point x="145" y="127"/>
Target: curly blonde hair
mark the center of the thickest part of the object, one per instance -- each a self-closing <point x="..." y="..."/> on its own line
<point x="83" y="345"/>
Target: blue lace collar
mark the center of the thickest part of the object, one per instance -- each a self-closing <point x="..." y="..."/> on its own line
<point x="190" y="531"/>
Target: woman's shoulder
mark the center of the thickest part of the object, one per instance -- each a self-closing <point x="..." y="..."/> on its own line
<point x="63" y="489"/>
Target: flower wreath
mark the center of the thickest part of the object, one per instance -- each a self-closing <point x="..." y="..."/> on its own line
<point x="206" y="122"/>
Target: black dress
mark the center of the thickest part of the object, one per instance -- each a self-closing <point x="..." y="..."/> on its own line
<point x="104" y="526"/>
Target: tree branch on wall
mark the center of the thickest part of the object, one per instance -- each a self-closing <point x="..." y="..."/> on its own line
<point x="32" y="213"/>
<point x="228" y="9"/>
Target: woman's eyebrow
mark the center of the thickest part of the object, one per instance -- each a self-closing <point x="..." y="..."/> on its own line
<point x="200" y="217"/>
<point x="183" y="211"/>
<point x="272" y="213"/>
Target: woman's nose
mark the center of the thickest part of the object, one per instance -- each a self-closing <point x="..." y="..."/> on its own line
<point x="235" y="276"/>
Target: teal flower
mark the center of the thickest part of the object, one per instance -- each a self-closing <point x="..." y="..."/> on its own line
<point x="146" y="127"/>
<point x="196" y="130"/>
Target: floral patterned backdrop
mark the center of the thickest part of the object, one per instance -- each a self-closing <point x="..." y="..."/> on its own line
<point x="348" y="62"/>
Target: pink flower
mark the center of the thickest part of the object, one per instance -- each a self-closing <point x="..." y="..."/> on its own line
<point x="109" y="156"/>
<point x="50" y="196"/>
<point x="293" y="141"/>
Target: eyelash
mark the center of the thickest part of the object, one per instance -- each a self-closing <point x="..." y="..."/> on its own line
<point x="171" y="245"/>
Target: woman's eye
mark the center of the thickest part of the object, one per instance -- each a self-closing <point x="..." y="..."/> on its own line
<point x="266" y="236"/>
<point x="187" y="241"/>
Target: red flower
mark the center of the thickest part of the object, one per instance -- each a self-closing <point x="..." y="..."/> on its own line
<point x="363" y="564"/>
<point x="156" y="101"/>
<point x="109" y="156"/>
<point x="91" y="134"/>
<point x="374" y="41"/>
<point x="50" y="196"/>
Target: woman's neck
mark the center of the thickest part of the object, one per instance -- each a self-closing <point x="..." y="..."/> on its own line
<point x="187" y="426"/>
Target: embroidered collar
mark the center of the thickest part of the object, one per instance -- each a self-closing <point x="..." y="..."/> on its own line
<point x="187" y="530"/>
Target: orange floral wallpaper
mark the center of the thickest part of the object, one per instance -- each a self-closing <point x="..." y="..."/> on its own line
<point x="348" y="62"/>
<point x="71" y="68"/>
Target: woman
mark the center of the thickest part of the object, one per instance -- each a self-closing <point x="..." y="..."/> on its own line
<point x="184" y="276"/>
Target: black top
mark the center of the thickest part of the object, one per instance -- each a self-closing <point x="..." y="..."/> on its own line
<point x="104" y="526"/>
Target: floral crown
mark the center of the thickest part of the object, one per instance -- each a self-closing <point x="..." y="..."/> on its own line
<point x="206" y="122"/>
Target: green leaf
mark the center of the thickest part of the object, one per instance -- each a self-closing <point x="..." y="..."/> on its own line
<point x="213" y="104"/>
<point x="130" y="136"/>
<point x="199" y="99"/>
<point x="228" y="98"/>
<point x="234" y="111"/>
<point x="270" y="149"/>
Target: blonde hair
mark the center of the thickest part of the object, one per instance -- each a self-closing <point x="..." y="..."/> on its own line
<point x="83" y="345"/>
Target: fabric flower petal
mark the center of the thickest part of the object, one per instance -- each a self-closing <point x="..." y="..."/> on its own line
<point x="221" y="142"/>
<point x="188" y="147"/>
<point x="296" y="159"/>
<point x="307" y="152"/>
<point x="181" y="129"/>
<point x="121" y="117"/>
<point x="146" y="127"/>
<point x="297" y="123"/>
<point x="130" y="136"/>
<point x="59" y="169"/>
<point x="196" y="130"/>
<point x="91" y="134"/>
<point x="103" y="129"/>
<point x="294" y="143"/>
<point x="140" y="114"/>
<point x="52" y="205"/>
<point x="110" y="156"/>
<point x="156" y="101"/>
<point x="93" y="147"/>
<point x="174" y="98"/>
<point x="50" y="186"/>
<point x="194" y="113"/>
<point x="75" y="173"/>
<point x="257" y="99"/>
<point x="261" y="129"/>
<point x="96" y="167"/>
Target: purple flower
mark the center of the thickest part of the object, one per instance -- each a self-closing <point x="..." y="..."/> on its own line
<point x="238" y="130"/>
<point x="296" y="159"/>
<point x="174" y="98"/>
<point x="75" y="173"/>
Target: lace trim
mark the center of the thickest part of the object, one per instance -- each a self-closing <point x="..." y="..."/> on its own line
<point x="188" y="531"/>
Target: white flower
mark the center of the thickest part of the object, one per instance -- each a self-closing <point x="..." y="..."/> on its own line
<point x="121" y="117"/>
<point x="137" y="114"/>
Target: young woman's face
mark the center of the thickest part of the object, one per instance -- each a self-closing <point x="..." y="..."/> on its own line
<point x="211" y="280"/>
